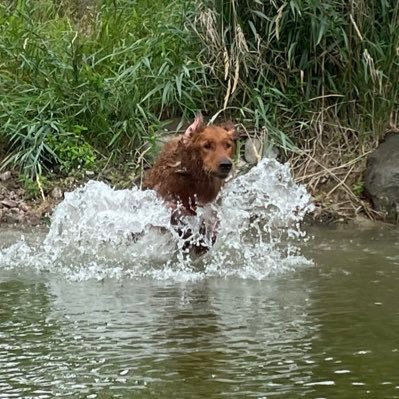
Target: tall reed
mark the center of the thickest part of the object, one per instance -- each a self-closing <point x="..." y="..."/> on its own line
<point x="289" y="64"/>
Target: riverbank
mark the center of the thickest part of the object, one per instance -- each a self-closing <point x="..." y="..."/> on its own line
<point x="19" y="206"/>
<point x="87" y="84"/>
<point x="31" y="204"/>
<point x="336" y="188"/>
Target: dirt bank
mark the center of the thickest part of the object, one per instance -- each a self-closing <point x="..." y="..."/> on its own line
<point x="20" y="206"/>
<point x="31" y="204"/>
<point x="333" y="176"/>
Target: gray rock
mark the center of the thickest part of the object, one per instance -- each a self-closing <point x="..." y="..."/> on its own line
<point x="9" y="203"/>
<point x="56" y="193"/>
<point x="256" y="149"/>
<point x="382" y="177"/>
<point x="271" y="152"/>
<point x="253" y="150"/>
<point x="5" y="176"/>
<point x="24" y="207"/>
<point x="14" y="218"/>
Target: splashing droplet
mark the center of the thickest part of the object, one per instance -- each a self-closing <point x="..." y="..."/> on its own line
<point x="98" y="232"/>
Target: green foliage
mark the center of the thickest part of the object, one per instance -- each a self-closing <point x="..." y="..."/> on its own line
<point x="116" y="72"/>
<point x="293" y="63"/>
<point x="33" y="187"/>
<point x="358" y="188"/>
<point x="83" y="78"/>
<point x="72" y="151"/>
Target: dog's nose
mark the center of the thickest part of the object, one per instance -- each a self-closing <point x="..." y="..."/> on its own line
<point x="225" y="166"/>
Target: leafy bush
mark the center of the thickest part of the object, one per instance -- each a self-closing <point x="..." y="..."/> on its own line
<point x="72" y="151"/>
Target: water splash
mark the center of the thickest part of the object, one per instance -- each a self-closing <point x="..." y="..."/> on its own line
<point x="98" y="232"/>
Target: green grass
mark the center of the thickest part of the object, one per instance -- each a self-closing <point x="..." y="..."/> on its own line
<point x="83" y="81"/>
<point x="294" y="62"/>
<point x="75" y="89"/>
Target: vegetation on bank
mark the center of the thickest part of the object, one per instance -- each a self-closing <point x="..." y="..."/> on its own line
<point x="88" y="82"/>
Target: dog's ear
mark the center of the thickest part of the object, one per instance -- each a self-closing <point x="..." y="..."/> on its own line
<point x="195" y="127"/>
<point x="229" y="127"/>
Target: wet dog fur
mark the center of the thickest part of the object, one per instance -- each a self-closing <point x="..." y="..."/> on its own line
<point x="191" y="169"/>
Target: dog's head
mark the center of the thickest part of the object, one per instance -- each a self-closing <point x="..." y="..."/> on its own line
<point x="213" y="144"/>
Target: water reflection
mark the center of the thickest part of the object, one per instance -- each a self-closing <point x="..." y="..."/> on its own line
<point x="187" y="333"/>
<point x="198" y="338"/>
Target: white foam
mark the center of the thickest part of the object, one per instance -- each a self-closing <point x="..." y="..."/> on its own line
<point x="98" y="232"/>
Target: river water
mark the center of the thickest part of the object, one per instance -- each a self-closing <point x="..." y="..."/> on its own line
<point x="284" y="315"/>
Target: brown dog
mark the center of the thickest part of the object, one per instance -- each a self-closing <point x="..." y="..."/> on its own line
<point x="191" y="169"/>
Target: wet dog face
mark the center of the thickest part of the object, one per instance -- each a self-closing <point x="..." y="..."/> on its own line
<point x="215" y="146"/>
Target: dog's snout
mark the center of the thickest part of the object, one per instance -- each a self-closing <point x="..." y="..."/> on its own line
<point x="225" y="166"/>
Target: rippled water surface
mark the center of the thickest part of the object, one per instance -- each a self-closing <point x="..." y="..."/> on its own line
<point x="110" y="303"/>
<point x="323" y="331"/>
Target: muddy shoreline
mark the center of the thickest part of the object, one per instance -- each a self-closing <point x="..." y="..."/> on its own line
<point x="18" y="207"/>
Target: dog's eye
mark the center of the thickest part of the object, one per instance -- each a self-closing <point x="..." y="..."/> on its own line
<point x="207" y="146"/>
<point x="227" y="146"/>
